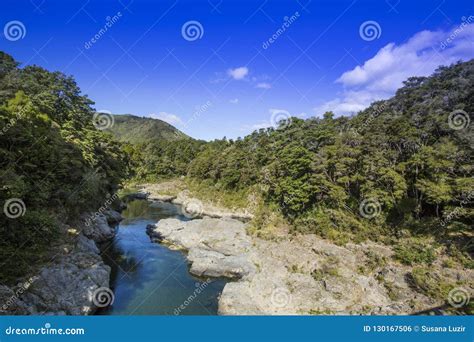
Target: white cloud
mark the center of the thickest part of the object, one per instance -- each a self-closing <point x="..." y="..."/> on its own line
<point x="234" y="101"/>
<point x="264" y="85"/>
<point x="379" y="77"/>
<point x="170" y="118"/>
<point x="238" y="73"/>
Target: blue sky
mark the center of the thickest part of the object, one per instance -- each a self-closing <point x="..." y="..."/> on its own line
<point x="229" y="79"/>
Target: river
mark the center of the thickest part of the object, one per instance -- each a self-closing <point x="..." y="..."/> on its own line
<point x="150" y="279"/>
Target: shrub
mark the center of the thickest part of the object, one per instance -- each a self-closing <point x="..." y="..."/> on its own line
<point x="25" y="243"/>
<point x="412" y="253"/>
<point x="429" y="283"/>
<point x="337" y="225"/>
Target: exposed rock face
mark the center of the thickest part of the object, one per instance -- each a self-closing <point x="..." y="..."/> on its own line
<point x="113" y="217"/>
<point x="11" y="304"/>
<point x="308" y="275"/>
<point x="288" y="281"/>
<point x="97" y="228"/>
<point x="302" y="275"/>
<point x="67" y="284"/>
<point x="217" y="247"/>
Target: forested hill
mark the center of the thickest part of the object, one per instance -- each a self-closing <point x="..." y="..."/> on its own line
<point x="137" y="130"/>
<point x="402" y="165"/>
<point x="54" y="163"/>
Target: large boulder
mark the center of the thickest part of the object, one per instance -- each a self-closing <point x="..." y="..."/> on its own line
<point x="66" y="286"/>
<point x="97" y="228"/>
<point x="217" y="247"/>
<point x="112" y="216"/>
<point x="208" y="263"/>
<point x="86" y="245"/>
<point x="69" y="285"/>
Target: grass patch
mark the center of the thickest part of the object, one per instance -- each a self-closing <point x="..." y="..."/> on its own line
<point x="217" y="195"/>
<point x="339" y="226"/>
<point x="267" y="222"/>
<point x="329" y="268"/>
<point x="414" y="253"/>
<point x="373" y="262"/>
<point x="429" y="283"/>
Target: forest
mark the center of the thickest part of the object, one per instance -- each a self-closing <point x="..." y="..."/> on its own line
<point x="402" y="167"/>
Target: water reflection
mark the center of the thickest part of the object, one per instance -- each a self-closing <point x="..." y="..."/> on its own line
<point x="148" y="278"/>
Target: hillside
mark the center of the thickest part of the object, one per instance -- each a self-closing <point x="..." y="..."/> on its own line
<point x="136" y="130"/>
<point x="400" y="172"/>
<point x="54" y="163"/>
<point x="406" y="161"/>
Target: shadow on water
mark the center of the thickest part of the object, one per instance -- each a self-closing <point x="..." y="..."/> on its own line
<point x="148" y="278"/>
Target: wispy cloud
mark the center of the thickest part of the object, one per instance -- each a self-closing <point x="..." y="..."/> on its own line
<point x="170" y="118"/>
<point x="263" y="85"/>
<point x="380" y="76"/>
<point x="234" y="101"/>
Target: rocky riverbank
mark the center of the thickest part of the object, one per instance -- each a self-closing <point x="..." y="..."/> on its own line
<point x="72" y="281"/>
<point x="299" y="275"/>
<point x="191" y="206"/>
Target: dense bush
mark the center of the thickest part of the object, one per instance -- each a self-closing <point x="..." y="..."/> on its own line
<point x="161" y="159"/>
<point x="52" y="158"/>
<point x="414" y="252"/>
